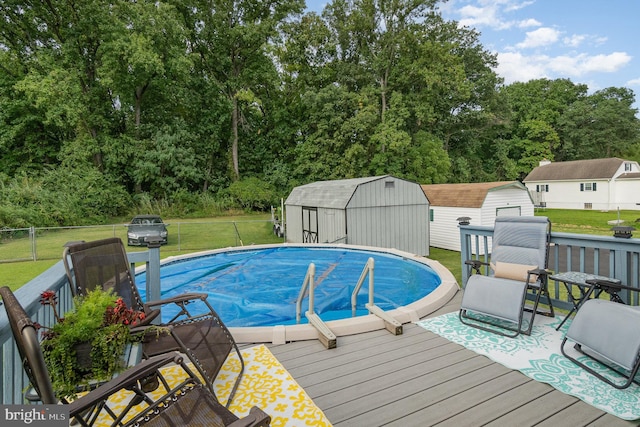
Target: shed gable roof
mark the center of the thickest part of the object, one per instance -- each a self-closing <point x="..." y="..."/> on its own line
<point x="469" y="195"/>
<point x="576" y="169"/>
<point x="328" y="194"/>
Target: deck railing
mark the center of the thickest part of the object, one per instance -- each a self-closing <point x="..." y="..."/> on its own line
<point x="603" y="255"/>
<point x="13" y="380"/>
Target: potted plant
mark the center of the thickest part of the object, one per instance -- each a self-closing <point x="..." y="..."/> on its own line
<point x="88" y="343"/>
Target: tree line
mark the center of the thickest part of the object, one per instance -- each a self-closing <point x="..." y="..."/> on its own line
<point x="107" y="107"/>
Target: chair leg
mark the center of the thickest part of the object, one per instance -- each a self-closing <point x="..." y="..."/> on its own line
<point x="630" y="378"/>
<point x="539" y="292"/>
<point x="479" y="324"/>
<point x="238" y="379"/>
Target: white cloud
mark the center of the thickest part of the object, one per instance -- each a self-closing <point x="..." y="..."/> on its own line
<point x="490" y="13"/>
<point x="544" y="36"/>
<point x="606" y="63"/>
<point x="515" y="66"/>
<point x="473" y="16"/>
<point x="634" y="82"/>
<point x="528" y="23"/>
<point x="575" y="40"/>
<point x="511" y="5"/>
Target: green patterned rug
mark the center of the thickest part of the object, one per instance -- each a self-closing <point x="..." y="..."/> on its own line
<point x="538" y="356"/>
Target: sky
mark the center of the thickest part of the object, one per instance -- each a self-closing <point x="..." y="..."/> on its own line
<point x="592" y="42"/>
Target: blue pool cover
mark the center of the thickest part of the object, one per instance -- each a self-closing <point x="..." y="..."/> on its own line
<point x="260" y="287"/>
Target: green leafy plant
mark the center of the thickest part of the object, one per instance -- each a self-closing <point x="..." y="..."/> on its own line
<point x="99" y="322"/>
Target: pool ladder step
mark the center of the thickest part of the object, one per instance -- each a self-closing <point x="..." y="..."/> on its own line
<point x="390" y="324"/>
<point x="326" y="337"/>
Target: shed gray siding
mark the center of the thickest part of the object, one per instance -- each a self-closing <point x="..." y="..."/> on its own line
<point x="400" y="227"/>
<point x="293" y="227"/>
<point x="377" y="211"/>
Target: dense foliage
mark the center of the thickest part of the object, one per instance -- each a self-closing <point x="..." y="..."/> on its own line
<point x="107" y="107"/>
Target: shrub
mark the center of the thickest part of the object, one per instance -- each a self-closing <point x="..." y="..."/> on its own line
<point x="253" y="194"/>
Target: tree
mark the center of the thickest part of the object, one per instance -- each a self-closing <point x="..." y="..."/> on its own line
<point x="231" y="39"/>
<point x="600" y="125"/>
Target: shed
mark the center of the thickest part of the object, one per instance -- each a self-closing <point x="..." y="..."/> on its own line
<point x="382" y="211"/>
<point x="481" y="202"/>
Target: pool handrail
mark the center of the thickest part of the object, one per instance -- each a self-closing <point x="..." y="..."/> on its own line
<point x="390" y="324"/>
<point x="325" y="335"/>
<point x="308" y="278"/>
<point x="367" y="270"/>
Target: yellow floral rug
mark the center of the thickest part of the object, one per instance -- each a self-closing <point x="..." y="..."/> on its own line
<point x="265" y="384"/>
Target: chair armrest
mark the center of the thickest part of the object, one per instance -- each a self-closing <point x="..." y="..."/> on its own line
<point x="126" y="379"/>
<point x="539" y="272"/>
<point x="475" y="264"/>
<point x="256" y="418"/>
<point x="604" y="283"/>
<point x="177" y="299"/>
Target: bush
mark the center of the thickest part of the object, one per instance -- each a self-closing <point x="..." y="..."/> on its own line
<point x="253" y="194"/>
<point x="65" y="196"/>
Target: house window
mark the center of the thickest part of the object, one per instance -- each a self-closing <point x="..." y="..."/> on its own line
<point x="588" y="205"/>
<point x="627" y="167"/>
<point x="389" y="184"/>
<point x="431" y="215"/>
<point x="588" y="186"/>
<point x="542" y="188"/>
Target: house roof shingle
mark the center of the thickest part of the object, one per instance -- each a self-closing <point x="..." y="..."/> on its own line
<point x="576" y="169"/>
<point x="469" y="195"/>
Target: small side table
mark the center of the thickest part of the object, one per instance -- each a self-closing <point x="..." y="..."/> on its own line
<point x="587" y="283"/>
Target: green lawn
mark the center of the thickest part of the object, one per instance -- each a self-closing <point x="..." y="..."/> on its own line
<point x="210" y="233"/>
<point x="185" y="236"/>
<point x="587" y="221"/>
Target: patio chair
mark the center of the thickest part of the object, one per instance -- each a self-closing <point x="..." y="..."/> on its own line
<point x="179" y="401"/>
<point x="607" y="332"/>
<point x="196" y="329"/>
<point x="497" y="302"/>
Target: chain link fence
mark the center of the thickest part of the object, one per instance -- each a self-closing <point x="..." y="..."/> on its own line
<point x="42" y="243"/>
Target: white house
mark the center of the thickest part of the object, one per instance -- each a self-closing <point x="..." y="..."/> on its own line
<point x="382" y="211"/>
<point x="602" y="184"/>
<point x="480" y="202"/>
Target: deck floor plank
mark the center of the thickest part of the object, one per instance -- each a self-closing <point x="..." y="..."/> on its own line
<point x="421" y="379"/>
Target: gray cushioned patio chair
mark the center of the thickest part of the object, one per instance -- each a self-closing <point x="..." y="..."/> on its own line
<point x="609" y="333"/>
<point x="196" y="329"/>
<point x="185" y="402"/>
<point x="497" y="302"/>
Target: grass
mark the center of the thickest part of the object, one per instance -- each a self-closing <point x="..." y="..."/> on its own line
<point x="211" y="233"/>
<point x="185" y="236"/>
<point x="587" y="221"/>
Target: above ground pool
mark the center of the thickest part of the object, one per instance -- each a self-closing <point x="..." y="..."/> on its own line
<point x="259" y="287"/>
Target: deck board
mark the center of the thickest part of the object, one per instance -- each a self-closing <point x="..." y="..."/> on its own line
<point x="422" y="379"/>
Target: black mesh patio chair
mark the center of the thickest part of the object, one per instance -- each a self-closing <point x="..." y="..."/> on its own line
<point x="607" y="332"/>
<point x="182" y="400"/>
<point x="196" y="329"/>
<point x="497" y="302"/>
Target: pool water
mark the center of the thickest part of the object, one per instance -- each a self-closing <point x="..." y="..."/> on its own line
<point x="260" y="287"/>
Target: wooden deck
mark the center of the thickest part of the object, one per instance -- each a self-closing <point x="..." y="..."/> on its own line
<point x="421" y="379"/>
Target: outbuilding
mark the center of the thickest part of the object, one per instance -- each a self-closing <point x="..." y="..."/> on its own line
<point x="481" y="203"/>
<point x="382" y="211"/>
